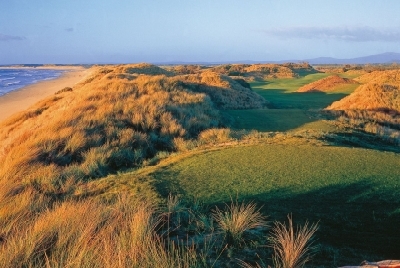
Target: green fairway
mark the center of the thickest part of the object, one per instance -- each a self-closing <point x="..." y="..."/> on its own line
<point x="354" y="193"/>
<point x="260" y="170"/>
<point x="288" y="109"/>
<point x="281" y="93"/>
<point x="274" y="120"/>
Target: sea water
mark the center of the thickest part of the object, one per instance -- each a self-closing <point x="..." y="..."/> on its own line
<point x="12" y="79"/>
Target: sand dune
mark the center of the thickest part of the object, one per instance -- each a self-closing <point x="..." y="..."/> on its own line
<point x="380" y="93"/>
<point x="326" y="84"/>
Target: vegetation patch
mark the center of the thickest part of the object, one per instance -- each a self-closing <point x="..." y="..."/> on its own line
<point x="224" y="91"/>
<point x="381" y="93"/>
<point x="327" y="84"/>
<point x="184" y="164"/>
<point x="352" y="192"/>
<point x="260" y="72"/>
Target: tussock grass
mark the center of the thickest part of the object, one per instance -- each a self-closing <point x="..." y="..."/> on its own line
<point x="382" y="126"/>
<point x="104" y="126"/>
<point x="292" y="247"/>
<point x="59" y="204"/>
<point x="224" y="91"/>
<point x="237" y="218"/>
<point x="215" y="135"/>
<point x="118" y="119"/>
<point x="341" y="187"/>
<point x="57" y="208"/>
<point x="93" y="234"/>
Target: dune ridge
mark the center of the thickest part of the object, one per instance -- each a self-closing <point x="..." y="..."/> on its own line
<point x="326" y="84"/>
<point x="380" y="93"/>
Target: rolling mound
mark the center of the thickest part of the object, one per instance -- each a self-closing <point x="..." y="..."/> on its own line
<point x="144" y="68"/>
<point x="55" y="157"/>
<point x="380" y="93"/>
<point x="186" y="69"/>
<point x="326" y="84"/>
<point x="225" y="92"/>
<point x="258" y="72"/>
<point x="116" y="119"/>
<point x="387" y="77"/>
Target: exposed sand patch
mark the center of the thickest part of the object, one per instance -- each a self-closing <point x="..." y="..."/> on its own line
<point x="23" y="98"/>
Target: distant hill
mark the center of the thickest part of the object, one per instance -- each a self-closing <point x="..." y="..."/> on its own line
<point x="388" y="57"/>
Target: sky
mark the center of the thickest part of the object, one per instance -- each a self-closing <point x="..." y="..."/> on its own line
<point x="128" y="31"/>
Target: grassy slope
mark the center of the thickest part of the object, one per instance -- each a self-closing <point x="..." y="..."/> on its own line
<point x="52" y="155"/>
<point x="354" y="193"/>
<point x="281" y="93"/>
<point x="275" y="119"/>
<point x="380" y="91"/>
<point x="260" y="170"/>
<point x="289" y="108"/>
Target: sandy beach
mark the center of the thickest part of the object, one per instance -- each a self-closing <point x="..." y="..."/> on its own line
<point x="25" y="97"/>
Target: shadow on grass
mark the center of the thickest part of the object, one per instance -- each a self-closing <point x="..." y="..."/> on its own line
<point x="287" y="110"/>
<point x="283" y="99"/>
<point x="354" y="218"/>
<point x="268" y="119"/>
<point x="362" y="140"/>
<point x="356" y="221"/>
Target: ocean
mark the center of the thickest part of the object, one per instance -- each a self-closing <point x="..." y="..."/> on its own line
<point x="12" y="79"/>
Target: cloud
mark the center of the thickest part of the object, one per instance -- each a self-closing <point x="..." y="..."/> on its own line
<point x="348" y="34"/>
<point x="69" y="29"/>
<point x="6" y="38"/>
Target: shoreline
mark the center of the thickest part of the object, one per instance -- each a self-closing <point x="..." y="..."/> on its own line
<point x="21" y="99"/>
<point x="66" y="68"/>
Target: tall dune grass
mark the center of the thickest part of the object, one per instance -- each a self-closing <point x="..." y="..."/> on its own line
<point x="292" y="247"/>
<point x="119" y="118"/>
<point x="380" y="92"/>
<point x="373" y="107"/>
<point x="91" y="234"/>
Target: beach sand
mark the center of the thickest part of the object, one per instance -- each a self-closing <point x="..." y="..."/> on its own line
<point x="23" y="98"/>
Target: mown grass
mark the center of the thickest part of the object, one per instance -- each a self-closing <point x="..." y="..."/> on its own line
<point x="281" y="93"/>
<point x="354" y="193"/>
<point x="215" y="176"/>
<point x="275" y="120"/>
<point x="288" y="110"/>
